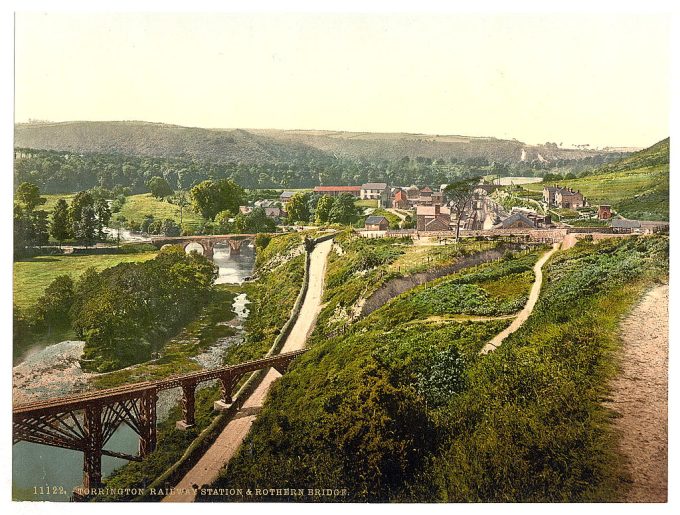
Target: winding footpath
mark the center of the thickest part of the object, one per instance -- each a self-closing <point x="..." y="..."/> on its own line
<point x="640" y="396"/>
<point x="231" y="437"/>
<point x="528" y="307"/>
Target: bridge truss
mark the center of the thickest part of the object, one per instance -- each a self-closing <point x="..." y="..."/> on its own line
<point x="87" y="421"/>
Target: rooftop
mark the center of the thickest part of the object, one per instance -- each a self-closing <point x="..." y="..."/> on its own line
<point x="374" y="186"/>
<point x="374" y="220"/>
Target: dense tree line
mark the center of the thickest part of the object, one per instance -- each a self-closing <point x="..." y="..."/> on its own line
<point x="83" y="221"/>
<point x="65" y="172"/>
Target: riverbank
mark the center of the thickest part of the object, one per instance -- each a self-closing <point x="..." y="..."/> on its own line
<point x="230" y="439"/>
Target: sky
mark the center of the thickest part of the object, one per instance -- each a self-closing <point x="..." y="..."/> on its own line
<point x="598" y="79"/>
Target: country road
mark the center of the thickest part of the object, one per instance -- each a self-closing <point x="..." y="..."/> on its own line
<point x="228" y="442"/>
<point x="528" y="307"/>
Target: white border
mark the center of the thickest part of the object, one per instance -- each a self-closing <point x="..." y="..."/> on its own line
<point x="334" y="6"/>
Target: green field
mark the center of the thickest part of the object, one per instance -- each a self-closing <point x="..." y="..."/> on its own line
<point x="366" y="203"/>
<point x="32" y="276"/>
<point x="137" y="207"/>
<point x="637" y="187"/>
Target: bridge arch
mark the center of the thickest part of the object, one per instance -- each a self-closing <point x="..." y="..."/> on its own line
<point x="195" y="245"/>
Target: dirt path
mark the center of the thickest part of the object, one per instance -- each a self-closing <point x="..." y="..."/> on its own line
<point x="528" y="307"/>
<point x="227" y="443"/>
<point x="640" y="396"/>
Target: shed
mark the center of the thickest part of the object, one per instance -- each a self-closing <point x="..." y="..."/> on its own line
<point x="376" y="223"/>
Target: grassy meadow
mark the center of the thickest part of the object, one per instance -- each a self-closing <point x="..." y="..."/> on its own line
<point x="33" y="275"/>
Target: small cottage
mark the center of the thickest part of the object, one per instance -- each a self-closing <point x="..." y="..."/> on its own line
<point x="376" y="223"/>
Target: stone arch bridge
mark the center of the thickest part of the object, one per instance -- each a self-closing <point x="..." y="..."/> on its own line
<point x="207" y="242"/>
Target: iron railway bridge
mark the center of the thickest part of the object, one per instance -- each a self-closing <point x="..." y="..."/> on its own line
<point x="85" y="422"/>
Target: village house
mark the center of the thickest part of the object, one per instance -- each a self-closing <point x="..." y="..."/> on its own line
<point x="400" y="199"/>
<point x="563" y="197"/>
<point x="433" y="218"/>
<point x="285" y="197"/>
<point x="336" y="191"/>
<point x="270" y="209"/>
<point x="412" y="194"/>
<point x="376" y="223"/>
<point x="375" y="191"/>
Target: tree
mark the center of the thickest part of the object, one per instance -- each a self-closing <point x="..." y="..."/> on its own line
<point x="52" y="309"/>
<point x="170" y="228"/>
<point x="343" y="211"/>
<point x="181" y="200"/>
<point x="60" y="228"/>
<point x="118" y="223"/>
<point x="224" y="222"/>
<point x="103" y="214"/>
<point x="298" y="208"/>
<point x="82" y="199"/>
<point x="146" y="223"/>
<point x="460" y="194"/>
<point x="85" y="228"/>
<point x="28" y="195"/>
<point x="211" y="197"/>
<point x="31" y="226"/>
<point x="323" y="209"/>
<point x="254" y="222"/>
<point x="159" y="187"/>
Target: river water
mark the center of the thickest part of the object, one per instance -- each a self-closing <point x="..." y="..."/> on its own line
<point x="45" y="473"/>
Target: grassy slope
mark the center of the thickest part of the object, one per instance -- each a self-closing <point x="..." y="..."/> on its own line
<point x="137" y="207"/>
<point x="524" y="423"/>
<point x="32" y="276"/>
<point x="272" y="298"/>
<point x="636" y="186"/>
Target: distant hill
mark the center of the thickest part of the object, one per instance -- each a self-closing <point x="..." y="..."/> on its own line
<point x="269" y="145"/>
<point x="636" y="186"/>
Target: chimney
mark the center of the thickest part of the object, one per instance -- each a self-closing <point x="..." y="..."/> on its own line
<point x="436" y="209"/>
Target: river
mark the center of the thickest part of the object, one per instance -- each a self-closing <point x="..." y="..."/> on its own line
<point x="54" y="371"/>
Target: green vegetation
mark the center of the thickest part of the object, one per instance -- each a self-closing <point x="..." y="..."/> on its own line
<point x="126" y="312"/>
<point x="212" y="197"/>
<point x="198" y="335"/>
<point x="491" y="289"/>
<point x="637" y="187"/>
<point x="367" y="264"/>
<point x="137" y="207"/>
<point x="411" y="412"/>
<point x="363" y="203"/>
<point x="33" y="275"/>
<point x="271" y="297"/>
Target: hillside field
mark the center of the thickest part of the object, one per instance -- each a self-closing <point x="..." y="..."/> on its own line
<point x="637" y="187"/>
